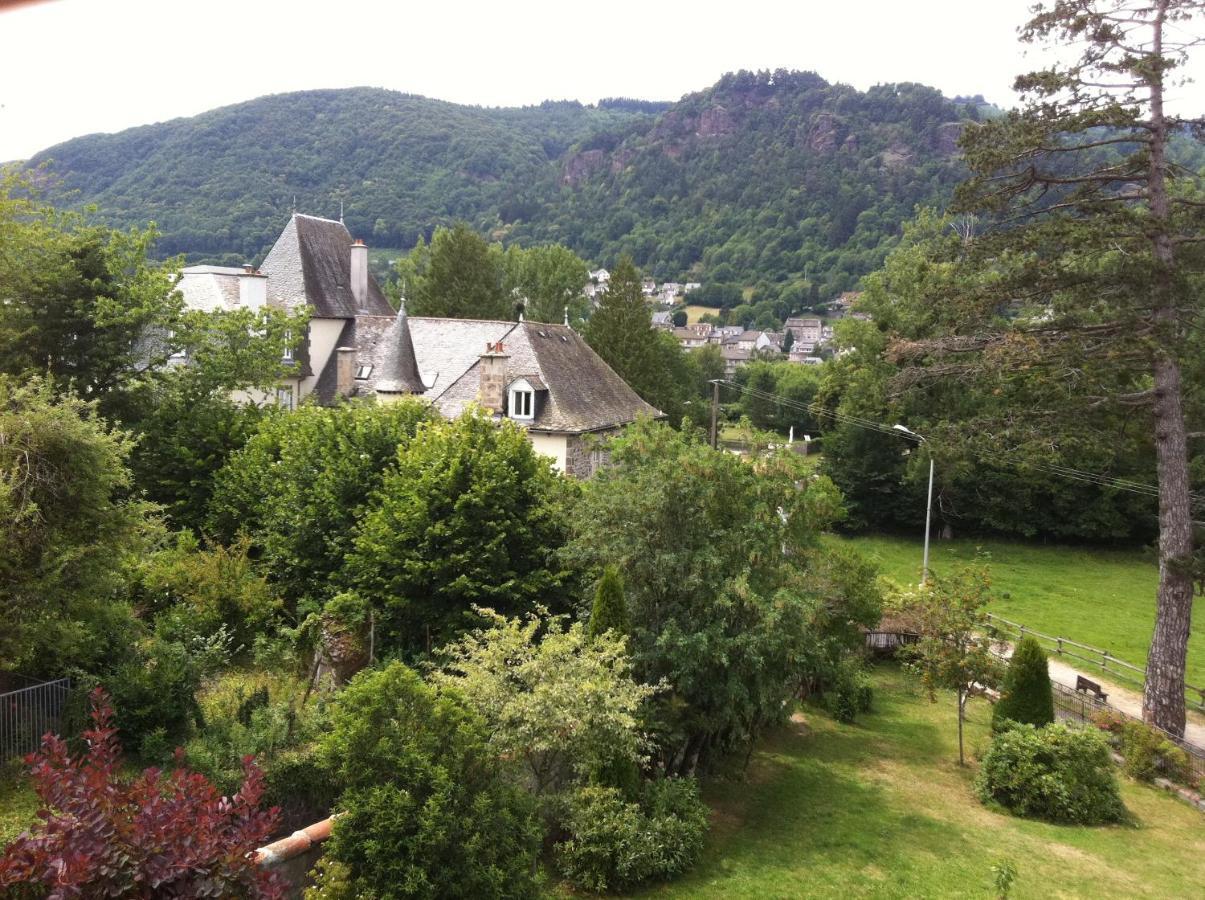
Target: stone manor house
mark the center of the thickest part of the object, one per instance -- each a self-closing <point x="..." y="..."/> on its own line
<point x="543" y="377"/>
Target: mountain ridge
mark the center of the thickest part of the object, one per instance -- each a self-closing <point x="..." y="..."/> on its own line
<point x="783" y="162"/>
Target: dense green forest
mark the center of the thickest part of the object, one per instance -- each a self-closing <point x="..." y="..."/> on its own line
<point x="775" y="178"/>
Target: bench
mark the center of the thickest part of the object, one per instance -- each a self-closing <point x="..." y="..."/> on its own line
<point x="1088" y="686"/>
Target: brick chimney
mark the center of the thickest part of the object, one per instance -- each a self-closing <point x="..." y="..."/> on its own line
<point x="492" y="393"/>
<point x="359" y="273"/>
<point x="345" y="371"/>
<point x="252" y="288"/>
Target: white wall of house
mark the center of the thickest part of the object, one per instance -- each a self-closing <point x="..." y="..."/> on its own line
<point x="553" y="445"/>
<point x="324" y="334"/>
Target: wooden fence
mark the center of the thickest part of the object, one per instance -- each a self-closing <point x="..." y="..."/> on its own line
<point x="1119" y="669"/>
<point x="28" y="713"/>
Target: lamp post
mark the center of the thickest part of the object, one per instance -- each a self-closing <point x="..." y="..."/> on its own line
<point x="924" y="578"/>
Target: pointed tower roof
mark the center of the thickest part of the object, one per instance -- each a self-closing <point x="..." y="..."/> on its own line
<point x="310" y="265"/>
<point x="399" y="368"/>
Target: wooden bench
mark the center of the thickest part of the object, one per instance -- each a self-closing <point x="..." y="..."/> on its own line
<point x="1089" y="686"/>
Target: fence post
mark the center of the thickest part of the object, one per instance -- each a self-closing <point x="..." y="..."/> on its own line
<point x="1060" y="650"/>
<point x="1104" y="656"/>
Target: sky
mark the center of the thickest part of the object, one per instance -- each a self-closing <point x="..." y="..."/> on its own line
<point x="73" y="67"/>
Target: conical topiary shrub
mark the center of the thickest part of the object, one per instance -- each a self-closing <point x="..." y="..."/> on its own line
<point x="610" y="610"/>
<point x="1026" y="695"/>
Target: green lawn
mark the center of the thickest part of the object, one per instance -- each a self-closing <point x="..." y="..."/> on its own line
<point x="1105" y="598"/>
<point x="18" y="804"/>
<point x="882" y="809"/>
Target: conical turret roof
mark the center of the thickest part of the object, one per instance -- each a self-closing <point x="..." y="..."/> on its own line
<point x="399" y="368"/>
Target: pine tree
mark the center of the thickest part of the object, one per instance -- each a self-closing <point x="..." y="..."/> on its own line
<point x="621" y="332"/>
<point x="610" y="610"/>
<point x="1088" y="225"/>
<point x="1026" y="695"/>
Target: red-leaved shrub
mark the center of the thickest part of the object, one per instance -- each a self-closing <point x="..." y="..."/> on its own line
<point x="158" y="835"/>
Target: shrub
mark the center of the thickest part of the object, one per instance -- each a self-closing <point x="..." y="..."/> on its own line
<point x="200" y="591"/>
<point x="610" y="610"/>
<point x="1026" y="695"/>
<point x="252" y="714"/>
<point x="1054" y="773"/>
<point x="613" y="843"/>
<point x="850" y="693"/>
<point x="159" y="835"/>
<point x="1148" y="754"/>
<point x="426" y="810"/>
<point x="154" y="692"/>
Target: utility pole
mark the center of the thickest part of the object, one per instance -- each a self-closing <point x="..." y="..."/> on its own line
<point x="924" y="577"/>
<point x="715" y="410"/>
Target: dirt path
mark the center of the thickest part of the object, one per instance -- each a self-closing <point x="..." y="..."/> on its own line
<point x="1126" y="699"/>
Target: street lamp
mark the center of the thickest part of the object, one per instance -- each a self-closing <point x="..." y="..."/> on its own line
<point x="924" y="579"/>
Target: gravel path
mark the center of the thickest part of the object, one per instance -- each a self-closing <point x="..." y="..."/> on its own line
<point x="1126" y="699"/>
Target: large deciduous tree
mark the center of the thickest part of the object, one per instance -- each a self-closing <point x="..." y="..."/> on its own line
<point x="458" y="276"/>
<point x="468" y="514"/>
<point x="1092" y="238"/>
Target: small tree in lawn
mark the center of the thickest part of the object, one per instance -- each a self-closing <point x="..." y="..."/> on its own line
<point x="954" y="651"/>
<point x="610" y="610"/>
<point x="1026" y="694"/>
<point x="160" y="835"/>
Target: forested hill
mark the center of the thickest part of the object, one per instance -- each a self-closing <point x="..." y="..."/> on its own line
<point x="762" y="177"/>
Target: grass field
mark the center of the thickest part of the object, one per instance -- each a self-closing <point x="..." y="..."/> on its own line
<point x="18" y="803"/>
<point x="694" y="313"/>
<point x="881" y="809"/>
<point x="1105" y="598"/>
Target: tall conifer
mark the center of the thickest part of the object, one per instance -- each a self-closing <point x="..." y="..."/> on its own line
<point x="610" y="610"/>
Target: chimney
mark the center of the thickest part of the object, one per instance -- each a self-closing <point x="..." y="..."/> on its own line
<point x="252" y="288"/>
<point x="345" y="371"/>
<point x="492" y="393"/>
<point x="359" y="274"/>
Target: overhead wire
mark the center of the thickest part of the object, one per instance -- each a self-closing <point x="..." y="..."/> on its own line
<point x="1121" y="484"/>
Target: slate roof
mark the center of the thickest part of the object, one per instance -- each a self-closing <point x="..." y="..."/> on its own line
<point x="578" y="392"/>
<point x="210" y="288"/>
<point x="582" y="394"/>
<point x="310" y="264"/>
<point x="399" y="368"/>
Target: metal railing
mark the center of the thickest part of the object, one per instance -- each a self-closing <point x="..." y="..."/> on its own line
<point x="1094" y="656"/>
<point x="28" y="713"/>
<point x="1082" y="707"/>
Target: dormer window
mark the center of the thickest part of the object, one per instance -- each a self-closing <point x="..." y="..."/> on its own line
<point x="522" y="403"/>
<point x="363" y="373"/>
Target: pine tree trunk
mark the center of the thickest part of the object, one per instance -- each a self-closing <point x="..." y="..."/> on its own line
<point x="1163" y="695"/>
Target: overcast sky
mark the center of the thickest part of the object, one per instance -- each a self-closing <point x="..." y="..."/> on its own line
<point x="72" y="67"/>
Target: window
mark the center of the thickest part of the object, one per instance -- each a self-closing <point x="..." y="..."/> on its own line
<point x="175" y="352"/>
<point x="363" y="372"/>
<point x="521" y="404"/>
<point x="288" y="357"/>
<point x="284" y="396"/>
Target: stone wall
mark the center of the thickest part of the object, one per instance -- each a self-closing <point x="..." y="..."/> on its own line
<point x="585" y="453"/>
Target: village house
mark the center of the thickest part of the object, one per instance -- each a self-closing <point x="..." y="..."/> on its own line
<point x="691" y="338"/>
<point x="806" y="330"/>
<point x="648" y="287"/>
<point x="543" y="377"/>
<point x="691" y="287"/>
<point x="734" y="358"/>
<point x="663" y="319"/>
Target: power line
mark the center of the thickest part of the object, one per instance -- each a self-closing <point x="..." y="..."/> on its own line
<point x="1121" y="484"/>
